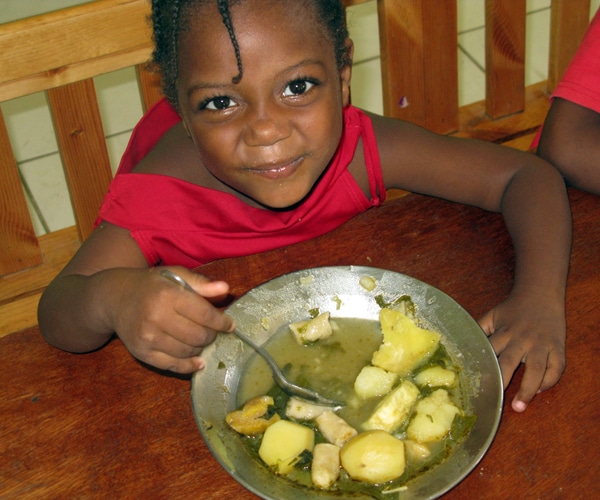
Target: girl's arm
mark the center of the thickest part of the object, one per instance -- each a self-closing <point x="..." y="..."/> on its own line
<point x="108" y="287"/>
<point x="570" y="140"/>
<point x="529" y="326"/>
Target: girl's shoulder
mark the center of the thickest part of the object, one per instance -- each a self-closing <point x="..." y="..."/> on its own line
<point x="173" y="154"/>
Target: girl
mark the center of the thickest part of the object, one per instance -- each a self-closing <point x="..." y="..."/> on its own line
<point x="258" y="147"/>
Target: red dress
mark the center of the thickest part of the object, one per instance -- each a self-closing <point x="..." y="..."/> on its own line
<point x="175" y="222"/>
<point x="581" y="82"/>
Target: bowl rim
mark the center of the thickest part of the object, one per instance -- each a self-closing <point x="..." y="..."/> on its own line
<point x="206" y="428"/>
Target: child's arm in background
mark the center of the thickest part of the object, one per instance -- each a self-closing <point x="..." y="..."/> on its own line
<point x="529" y="326"/>
<point x="570" y="140"/>
<point x="108" y="287"/>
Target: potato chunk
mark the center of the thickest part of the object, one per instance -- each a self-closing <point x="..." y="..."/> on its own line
<point x="282" y="444"/>
<point x="307" y="332"/>
<point x="250" y="420"/>
<point x="325" y="469"/>
<point x="394" y="408"/>
<point x="373" y="381"/>
<point x="416" y="452"/>
<point x="334" y="428"/>
<point x="374" y="457"/>
<point x="433" y="419"/>
<point x="436" y="376"/>
<point x="405" y="346"/>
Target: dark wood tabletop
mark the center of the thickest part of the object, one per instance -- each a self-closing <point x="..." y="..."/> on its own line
<point x="101" y="425"/>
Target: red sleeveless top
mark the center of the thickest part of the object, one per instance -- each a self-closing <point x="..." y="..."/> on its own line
<point x="175" y="222"/>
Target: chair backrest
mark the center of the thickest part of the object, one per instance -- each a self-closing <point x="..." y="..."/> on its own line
<point x="62" y="51"/>
<point x="59" y="53"/>
<point x="418" y="40"/>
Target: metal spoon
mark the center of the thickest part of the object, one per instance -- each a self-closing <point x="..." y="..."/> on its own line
<point x="280" y="379"/>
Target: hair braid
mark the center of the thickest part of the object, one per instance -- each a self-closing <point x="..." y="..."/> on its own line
<point x="226" y="15"/>
<point x="165" y="20"/>
<point x="171" y="17"/>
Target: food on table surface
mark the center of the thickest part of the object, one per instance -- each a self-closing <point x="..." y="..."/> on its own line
<point x="283" y="443"/>
<point x="325" y="467"/>
<point x="394" y="408"/>
<point x="334" y="428"/>
<point x="405" y="345"/>
<point x="436" y="376"/>
<point x="373" y="456"/>
<point x="312" y="330"/>
<point x="434" y="417"/>
<point x="403" y="403"/>
<point x="255" y="416"/>
<point x="373" y="381"/>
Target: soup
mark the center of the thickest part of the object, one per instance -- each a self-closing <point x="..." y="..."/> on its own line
<point x="331" y="366"/>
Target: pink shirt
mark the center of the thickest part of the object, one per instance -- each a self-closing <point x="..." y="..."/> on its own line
<point x="178" y="223"/>
<point x="581" y="82"/>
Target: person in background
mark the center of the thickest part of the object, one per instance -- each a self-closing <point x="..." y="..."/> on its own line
<point x="570" y="136"/>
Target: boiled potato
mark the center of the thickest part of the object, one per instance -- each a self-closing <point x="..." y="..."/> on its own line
<point x="282" y="444"/>
<point x="307" y="332"/>
<point x="436" y="376"/>
<point x="373" y="381"/>
<point x="325" y="468"/>
<point x="433" y="419"/>
<point x="416" y="452"/>
<point x="254" y="417"/>
<point x="394" y="408"/>
<point x="405" y="346"/>
<point x="374" y="457"/>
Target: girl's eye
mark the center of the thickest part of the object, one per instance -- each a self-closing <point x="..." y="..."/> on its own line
<point x="298" y="87"/>
<point x="218" y="103"/>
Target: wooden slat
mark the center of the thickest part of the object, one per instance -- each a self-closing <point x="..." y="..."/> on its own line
<point x="19" y="314"/>
<point x="350" y="3"/>
<point x="475" y="123"/>
<point x="19" y="248"/>
<point x="568" y="22"/>
<point x="20" y="292"/>
<point x="150" y="88"/>
<point x="522" y="143"/>
<point x="83" y="149"/>
<point x="419" y="63"/>
<point x="505" y="56"/>
<point x="68" y="45"/>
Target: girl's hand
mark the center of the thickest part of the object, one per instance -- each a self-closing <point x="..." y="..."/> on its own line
<point x="528" y="330"/>
<point x="166" y="326"/>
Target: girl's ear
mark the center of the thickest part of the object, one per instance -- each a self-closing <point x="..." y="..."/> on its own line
<point x="346" y="72"/>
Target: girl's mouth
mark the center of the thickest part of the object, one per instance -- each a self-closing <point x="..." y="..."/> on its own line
<point x="277" y="171"/>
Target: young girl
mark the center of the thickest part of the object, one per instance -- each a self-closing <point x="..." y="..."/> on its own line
<point x="257" y="147"/>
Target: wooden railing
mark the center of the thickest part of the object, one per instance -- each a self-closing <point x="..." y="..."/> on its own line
<point x="60" y="53"/>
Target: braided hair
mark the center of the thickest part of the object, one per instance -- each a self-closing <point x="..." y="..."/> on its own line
<point x="169" y="20"/>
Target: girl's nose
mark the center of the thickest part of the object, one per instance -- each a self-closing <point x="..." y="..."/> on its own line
<point x="266" y="127"/>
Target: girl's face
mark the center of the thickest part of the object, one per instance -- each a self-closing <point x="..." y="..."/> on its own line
<point x="273" y="134"/>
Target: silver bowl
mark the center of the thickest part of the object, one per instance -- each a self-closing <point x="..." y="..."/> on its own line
<point x="264" y="310"/>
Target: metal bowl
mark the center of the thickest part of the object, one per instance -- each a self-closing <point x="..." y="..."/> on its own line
<point x="266" y="309"/>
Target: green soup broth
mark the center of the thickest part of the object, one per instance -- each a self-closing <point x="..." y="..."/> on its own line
<point x="330" y="366"/>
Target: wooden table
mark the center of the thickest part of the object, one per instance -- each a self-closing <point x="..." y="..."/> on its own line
<point x="101" y="425"/>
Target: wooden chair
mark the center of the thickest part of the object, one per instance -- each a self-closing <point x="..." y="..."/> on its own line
<point x="61" y="52"/>
<point x="418" y="40"/>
